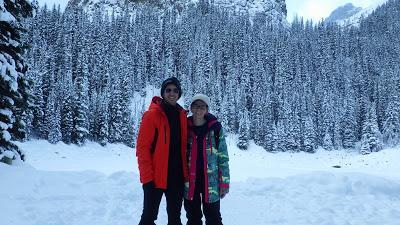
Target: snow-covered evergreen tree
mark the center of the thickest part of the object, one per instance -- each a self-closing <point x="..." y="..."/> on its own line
<point x="12" y="74"/>
<point x="309" y="136"/>
<point x="102" y="118"/>
<point x="349" y="122"/>
<point x="244" y="131"/>
<point x="371" y="136"/>
<point x="391" y="126"/>
<point x="80" y="131"/>
<point x="327" y="143"/>
<point x="269" y="142"/>
<point x="126" y="126"/>
<point x="279" y="137"/>
<point x="116" y="112"/>
<point x="67" y="116"/>
<point x="54" y="126"/>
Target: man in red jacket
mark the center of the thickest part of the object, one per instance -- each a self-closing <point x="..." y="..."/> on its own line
<point x="161" y="154"/>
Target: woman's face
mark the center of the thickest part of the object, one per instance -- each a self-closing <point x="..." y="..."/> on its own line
<point x="199" y="109"/>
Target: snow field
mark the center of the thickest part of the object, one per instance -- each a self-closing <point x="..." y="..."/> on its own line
<point x="67" y="185"/>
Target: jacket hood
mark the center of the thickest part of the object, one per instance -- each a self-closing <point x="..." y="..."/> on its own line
<point x="156" y="104"/>
<point x="212" y="121"/>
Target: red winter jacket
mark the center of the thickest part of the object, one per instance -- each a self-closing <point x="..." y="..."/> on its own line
<point x="153" y="157"/>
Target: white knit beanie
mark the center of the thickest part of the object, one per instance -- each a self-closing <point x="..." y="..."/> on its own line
<point x="201" y="97"/>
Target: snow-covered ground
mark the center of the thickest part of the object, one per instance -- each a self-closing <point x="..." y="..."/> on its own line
<point x="66" y="185"/>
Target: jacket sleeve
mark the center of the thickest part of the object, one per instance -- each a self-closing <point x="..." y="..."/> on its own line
<point x="143" y="147"/>
<point x="223" y="162"/>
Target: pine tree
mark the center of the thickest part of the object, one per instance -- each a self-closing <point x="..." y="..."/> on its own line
<point x="131" y="141"/>
<point x="269" y="142"/>
<point x="67" y="115"/>
<point x="279" y="137"/>
<point x="50" y="105"/>
<point x="337" y="137"/>
<point x="125" y="100"/>
<point x="225" y="114"/>
<point x="54" y="128"/>
<point x="116" y="113"/>
<point x="68" y="90"/>
<point x="391" y="126"/>
<point x="371" y="136"/>
<point x="169" y="36"/>
<point x="309" y="136"/>
<point x="229" y="102"/>
<point x="261" y="110"/>
<point x="102" y="119"/>
<point x="12" y="74"/>
<point x="349" y="123"/>
<point x="138" y="110"/>
<point x="293" y="124"/>
<point x="36" y="59"/>
<point x="80" y="131"/>
<point x="327" y="143"/>
<point x="243" y="111"/>
<point x="38" y="111"/>
<point x="244" y="131"/>
<point x="327" y="119"/>
<point x="23" y="110"/>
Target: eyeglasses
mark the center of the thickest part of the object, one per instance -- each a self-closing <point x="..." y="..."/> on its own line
<point x="197" y="106"/>
<point x="175" y="90"/>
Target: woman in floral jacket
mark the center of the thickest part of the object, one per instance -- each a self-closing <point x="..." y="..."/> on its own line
<point x="208" y="159"/>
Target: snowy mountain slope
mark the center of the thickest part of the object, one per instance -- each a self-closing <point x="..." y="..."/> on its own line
<point x="94" y="185"/>
<point x="353" y="19"/>
<point x="119" y="5"/>
<point x="343" y="12"/>
<point x="276" y="9"/>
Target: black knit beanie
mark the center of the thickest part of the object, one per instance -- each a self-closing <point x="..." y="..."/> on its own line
<point x="171" y="80"/>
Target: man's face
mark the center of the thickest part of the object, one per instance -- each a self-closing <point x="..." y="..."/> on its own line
<point x="171" y="94"/>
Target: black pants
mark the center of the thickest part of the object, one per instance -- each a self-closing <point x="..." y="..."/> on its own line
<point x="211" y="211"/>
<point x="151" y="204"/>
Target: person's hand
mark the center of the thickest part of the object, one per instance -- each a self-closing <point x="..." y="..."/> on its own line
<point x="223" y="192"/>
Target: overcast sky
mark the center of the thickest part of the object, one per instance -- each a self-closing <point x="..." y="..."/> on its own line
<point x="50" y="3"/>
<point x="308" y="9"/>
<point x="317" y="9"/>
